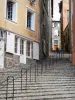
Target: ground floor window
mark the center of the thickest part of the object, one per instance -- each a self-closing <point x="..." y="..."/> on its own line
<point x="29" y="49"/>
<point x="16" y="44"/>
<point x="21" y="46"/>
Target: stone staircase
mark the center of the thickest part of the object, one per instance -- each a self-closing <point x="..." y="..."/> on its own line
<point x="55" y="82"/>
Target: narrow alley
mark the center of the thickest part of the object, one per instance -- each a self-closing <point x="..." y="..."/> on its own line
<point x="37" y="50"/>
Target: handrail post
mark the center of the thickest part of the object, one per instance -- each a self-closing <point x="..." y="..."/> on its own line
<point x="51" y="60"/>
<point x="56" y="57"/>
<point x="21" y="79"/>
<point x="30" y="74"/>
<point x="7" y="90"/>
<point x="7" y="87"/>
<point x="41" y="68"/>
<point x="61" y="55"/>
<point x="35" y="72"/>
<point x="13" y="89"/>
<point x="45" y="65"/>
<point x="37" y="67"/>
<point x="26" y="79"/>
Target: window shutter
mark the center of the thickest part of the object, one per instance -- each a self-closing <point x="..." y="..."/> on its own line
<point x="14" y="12"/>
<point x="35" y="51"/>
<point x="23" y="57"/>
<point x="32" y="21"/>
<point x="10" y="42"/>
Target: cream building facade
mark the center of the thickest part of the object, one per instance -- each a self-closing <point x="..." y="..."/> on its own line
<point x="19" y="32"/>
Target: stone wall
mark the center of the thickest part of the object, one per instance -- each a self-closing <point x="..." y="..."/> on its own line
<point x="11" y="60"/>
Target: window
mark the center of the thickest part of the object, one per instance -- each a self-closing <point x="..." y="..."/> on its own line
<point x="32" y="1"/>
<point x="30" y="20"/>
<point x="21" y="46"/>
<point x="28" y="48"/>
<point x="16" y="44"/>
<point x="55" y="24"/>
<point x="55" y="42"/>
<point x="11" y="10"/>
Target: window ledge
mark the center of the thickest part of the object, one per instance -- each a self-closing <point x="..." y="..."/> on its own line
<point x="16" y="54"/>
<point x="30" y="29"/>
<point x="11" y="21"/>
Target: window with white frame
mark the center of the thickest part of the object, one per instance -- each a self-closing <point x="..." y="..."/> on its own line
<point x="55" y="42"/>
<point x="11" y="10"/>
<point x="29" y="49"/>
<point x="16" y="44"/>
<point x="30" y="20"/>
<point x="22" y="46"/>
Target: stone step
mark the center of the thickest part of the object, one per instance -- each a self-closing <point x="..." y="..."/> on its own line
<point x="44" y="95"/>
<point x="56" y="83"/>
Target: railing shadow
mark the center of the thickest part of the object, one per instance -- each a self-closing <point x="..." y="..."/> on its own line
<point x="39" y="68"/>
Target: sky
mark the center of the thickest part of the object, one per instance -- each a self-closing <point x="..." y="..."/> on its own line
<point x="56" y="14"/>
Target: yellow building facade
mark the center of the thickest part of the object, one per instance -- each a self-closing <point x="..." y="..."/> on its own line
<point x="20" y="20"/>
<point x="20" y="25"/>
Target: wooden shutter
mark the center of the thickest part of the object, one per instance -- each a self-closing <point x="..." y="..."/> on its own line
<point x="10" y="42"/>
<point x="35" y="51"/>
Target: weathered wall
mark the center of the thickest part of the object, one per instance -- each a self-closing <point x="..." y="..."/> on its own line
<point x="64" y="15"/>
<point x="45" y="28"/>
<point x="11" y="60"/>
<point x="73" y="31"/>
<point x="64" y="21"/>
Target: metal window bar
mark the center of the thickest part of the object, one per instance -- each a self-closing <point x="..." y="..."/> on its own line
<point x="9" y="77"/>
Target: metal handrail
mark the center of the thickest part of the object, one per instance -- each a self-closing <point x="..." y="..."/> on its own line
<point x="22" y="77"/>
<point x="35" y="73"/>
<point x="47" y="62"/>
<point x="7" y="87"/>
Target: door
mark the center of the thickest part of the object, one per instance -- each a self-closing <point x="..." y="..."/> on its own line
<point x="23" y="56"/>
<point x="1" y="53"/>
